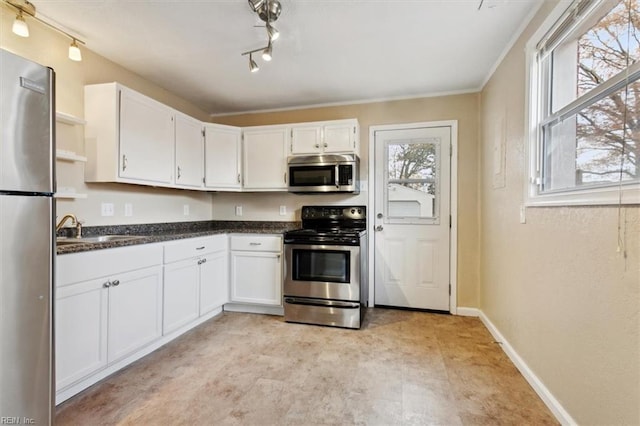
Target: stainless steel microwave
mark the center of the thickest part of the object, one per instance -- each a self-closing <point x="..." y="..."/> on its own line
<point x="324" y="173"/>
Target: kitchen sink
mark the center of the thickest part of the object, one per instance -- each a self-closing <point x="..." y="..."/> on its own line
<point x="65" y="241"/>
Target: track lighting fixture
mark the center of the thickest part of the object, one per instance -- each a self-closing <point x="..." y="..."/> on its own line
<point x="266" y="53"/>
<point x="253" y="67"/>
<point x="268" y="11"/>
<point x="74" y="51"/>
<point x="20" y="28"/>
<point x="273" y="32"/>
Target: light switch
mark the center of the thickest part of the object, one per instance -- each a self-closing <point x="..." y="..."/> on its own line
<point x="283" y="210"/>
<point x="238" y="210"/>
<point x="185" y="209"/>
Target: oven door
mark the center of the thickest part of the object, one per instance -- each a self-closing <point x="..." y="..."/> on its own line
<point x="322" y="271"/>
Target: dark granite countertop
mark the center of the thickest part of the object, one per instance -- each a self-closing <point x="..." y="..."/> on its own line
<point x="160" y="232"/>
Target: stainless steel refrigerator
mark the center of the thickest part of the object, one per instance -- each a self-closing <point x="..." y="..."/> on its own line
<point x="27" y="184"/>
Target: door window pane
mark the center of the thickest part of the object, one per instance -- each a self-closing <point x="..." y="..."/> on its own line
<point x="412" y="176"/>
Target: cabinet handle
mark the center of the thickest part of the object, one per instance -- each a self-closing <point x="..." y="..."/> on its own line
<point x="285" y="177"/>
<point x="200" y="262"/>
<point x="200" y="248"/>
<point x="115" y="283"/>
<point x="239" y="178"/>
<point x="255" y="244"/>
<point x="326" y="144"/>
<point x="203" y="261"/>
<point x="317" y="145"/>
<point x="179" y="170"/>
<point x="107" y="284"/>
<point x="124" y="162"/>
<point x="278" y="257"/>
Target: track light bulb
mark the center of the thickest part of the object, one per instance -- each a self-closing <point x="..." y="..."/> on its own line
<point x="20" y="26"/>
<point x="74" y="51"/>
<point x="266" y="53"/>
<point x="273" y="32"/>
<point x="252" y="64"/>
<point x="255" y="5"/>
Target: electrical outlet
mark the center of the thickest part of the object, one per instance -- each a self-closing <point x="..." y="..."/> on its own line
<point x="238" y="210"/>
<point x="107" y="209"/>
<point x="283" y="210"/>
<point x="185" y="209"/>
<point x="128" y="209"/>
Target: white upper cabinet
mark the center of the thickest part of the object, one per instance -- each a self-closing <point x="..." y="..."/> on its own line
<point x="265" y="158"/>
<point x="189" y="145"/>
<point x="330" y="137"/>
<point x="222" y="157"/>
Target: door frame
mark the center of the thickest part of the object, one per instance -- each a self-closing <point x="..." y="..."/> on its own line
<point x="453" y="233"/>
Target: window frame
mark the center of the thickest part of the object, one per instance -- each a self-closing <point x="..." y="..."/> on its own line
<point x="606" y="194"/>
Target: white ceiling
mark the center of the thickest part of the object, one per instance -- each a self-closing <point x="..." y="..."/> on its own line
<point x="330" y="51"/>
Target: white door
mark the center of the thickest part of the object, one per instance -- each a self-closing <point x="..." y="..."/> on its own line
<point x="265" y="158"/>
<point x="214" y="281"/>
<point x="222" y="157"/>
<point x="181" y="294"/>
<point x="256" y="277"/>
<point x="412" y="217"/>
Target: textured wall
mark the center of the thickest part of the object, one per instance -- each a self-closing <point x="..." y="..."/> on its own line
<point x="463" y="108"/>
<point x="48" y="47"/>
<point x="556" y="287"/>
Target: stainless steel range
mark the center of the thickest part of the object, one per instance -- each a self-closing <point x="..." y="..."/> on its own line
<point x="326" y="267"/>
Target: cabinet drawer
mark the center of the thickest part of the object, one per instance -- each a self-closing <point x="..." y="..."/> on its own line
<point x="256" y="243"/>
<point x="185" y="249"/>
<point x="75" y="267"/>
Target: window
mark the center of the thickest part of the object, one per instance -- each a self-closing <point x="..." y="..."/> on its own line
<point x="585" y="105"/>
<point x="412" y="180"/>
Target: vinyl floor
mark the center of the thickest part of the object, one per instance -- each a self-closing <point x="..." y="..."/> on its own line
<point x="401" y="368"/>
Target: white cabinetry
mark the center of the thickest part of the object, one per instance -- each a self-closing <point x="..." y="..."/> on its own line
<point x="195" y="279"/>
<point x="146" y="138"/>
<point x="330" y="137"/>
<point x="222" y="157"/>
<point x="189" y="145"/>
<point x="256" y="269"/>
<point x="265" y="158"/>
<point x="108" y="307"/>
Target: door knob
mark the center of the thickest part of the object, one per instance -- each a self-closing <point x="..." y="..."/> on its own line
<point x="379" y="215"/>
<point x="379" y="228"/>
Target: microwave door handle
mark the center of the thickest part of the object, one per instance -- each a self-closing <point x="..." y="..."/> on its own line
<point x="337" y="176"/>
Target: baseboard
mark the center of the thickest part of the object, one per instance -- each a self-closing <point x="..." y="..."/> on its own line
<point x="467" y="312"/>
<point x="538" y="386"/>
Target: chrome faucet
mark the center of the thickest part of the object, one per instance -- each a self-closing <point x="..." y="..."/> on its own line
<point x="74" y="221"/>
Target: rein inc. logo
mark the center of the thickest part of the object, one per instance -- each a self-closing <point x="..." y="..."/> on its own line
<point x="15" y="420"/>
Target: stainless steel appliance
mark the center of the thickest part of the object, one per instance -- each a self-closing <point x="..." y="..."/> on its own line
<point x="26" y="240"/>
<point x="326" y="267"/>
<point x="324" y="173"/>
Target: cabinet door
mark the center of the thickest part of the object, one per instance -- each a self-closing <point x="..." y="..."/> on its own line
<point x="306" y="140"/>
<point x="181" y="298"/>
<point x="189" y="145"/>
<point x="146" y="139"/>
<point x="256" y="277"/>
<point x="214" y="282"/>
<point x="135" y="311"/>
<point x="222" y="157"/>
<point x="81" y="331"/>
<point x="265" y="158"/>
<point x="339" y="138"/>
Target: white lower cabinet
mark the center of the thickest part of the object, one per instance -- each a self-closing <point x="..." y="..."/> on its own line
<point x="81" y="331"/>
<point x="108" y="307"/>
<point x="256" y="269"/>
<point x="195" y="279"/>
<point x="135" y="311"/>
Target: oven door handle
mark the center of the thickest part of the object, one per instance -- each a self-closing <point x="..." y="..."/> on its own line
<point x="322" y="303"/>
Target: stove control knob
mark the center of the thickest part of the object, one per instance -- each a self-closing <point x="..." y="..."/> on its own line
<point x="359" y="211"/>
<point x="353" y="211"/>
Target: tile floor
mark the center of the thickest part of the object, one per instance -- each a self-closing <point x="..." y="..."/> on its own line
<point x="402" y="368"/>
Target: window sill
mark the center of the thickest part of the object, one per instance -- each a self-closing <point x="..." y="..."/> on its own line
<point x="606" y="196"/>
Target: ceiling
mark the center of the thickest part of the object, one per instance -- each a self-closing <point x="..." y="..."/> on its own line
<point x="330" y="51"/>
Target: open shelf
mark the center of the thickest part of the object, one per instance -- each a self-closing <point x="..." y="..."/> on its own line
<point x="69" y="195"/>
<point x="69" y="156"/>
<point x="63" y="117"/>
